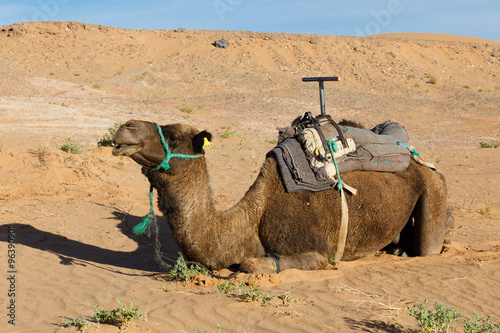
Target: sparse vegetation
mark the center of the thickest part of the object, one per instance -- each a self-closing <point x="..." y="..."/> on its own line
<point x="42" y="153"/>
<point x="272" y="141"/>
<point x="438" y="319"/>
<point x="467" y="86"/>
<point x="96" y="86"/>
<point x="121" y="317"/>
<point x="184" y="271"/>
<point x="228" y="132"/>
<point x="186" y="109"/>
<point x="432" y="79"/>
<point x="218" y="326"/>
<point x="107" y="139"/>
<point x="489" y="144"/>
<point x="478" y="324"/>
<point x="472" y="104"/>
<point x="71" y="147"/>
<point x="435" y="320"/>
<point x="250" y="293"/>
<point x="81" y="323"/>
<point x="334" y="261"/>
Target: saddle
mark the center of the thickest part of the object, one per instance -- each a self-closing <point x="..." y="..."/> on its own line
<point x="314" y="151"/>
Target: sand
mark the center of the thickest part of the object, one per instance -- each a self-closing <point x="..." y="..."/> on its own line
<point x="72" y="214"/>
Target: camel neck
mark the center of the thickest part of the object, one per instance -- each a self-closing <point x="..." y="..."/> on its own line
<point x="218" y="238"/>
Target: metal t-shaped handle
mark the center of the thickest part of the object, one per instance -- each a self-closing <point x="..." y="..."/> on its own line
<point x="321" y="88"/>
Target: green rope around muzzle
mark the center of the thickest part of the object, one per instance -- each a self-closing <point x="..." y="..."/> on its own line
<point x="142" y="227"/>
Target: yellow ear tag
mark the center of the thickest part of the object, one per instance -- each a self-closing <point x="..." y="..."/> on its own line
<point x="207" y="144"/>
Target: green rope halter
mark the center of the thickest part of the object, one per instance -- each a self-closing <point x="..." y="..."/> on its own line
<point x="141" y="227"/>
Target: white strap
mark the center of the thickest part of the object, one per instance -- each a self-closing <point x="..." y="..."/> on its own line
<point x="343" y="226"/>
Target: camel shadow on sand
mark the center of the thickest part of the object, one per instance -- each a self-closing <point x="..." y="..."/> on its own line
<point x="72" y="252"/>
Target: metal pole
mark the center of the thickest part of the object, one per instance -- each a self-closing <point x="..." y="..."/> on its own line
<point x="321" y="81"/>
<point x="322" y="97"/>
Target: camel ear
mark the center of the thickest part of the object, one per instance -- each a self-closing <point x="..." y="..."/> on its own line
<point x="199" y="141"/>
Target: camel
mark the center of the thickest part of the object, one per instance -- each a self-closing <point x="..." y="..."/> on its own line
<point x="301" y="228"/>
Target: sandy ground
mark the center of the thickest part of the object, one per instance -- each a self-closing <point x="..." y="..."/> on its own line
<point x="72" y="214"/>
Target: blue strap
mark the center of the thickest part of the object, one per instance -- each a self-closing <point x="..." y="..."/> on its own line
<point x="413" y="152"/>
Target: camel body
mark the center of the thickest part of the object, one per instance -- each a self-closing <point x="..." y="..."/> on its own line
<point x="301" y="227"/>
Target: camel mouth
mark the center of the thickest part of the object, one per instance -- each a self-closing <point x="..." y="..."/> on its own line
<point x="124" y="149"/>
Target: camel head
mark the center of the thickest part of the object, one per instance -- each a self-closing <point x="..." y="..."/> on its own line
<point x="141" y="141"/>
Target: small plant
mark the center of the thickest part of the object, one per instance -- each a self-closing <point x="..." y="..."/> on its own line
<point x="186" y="109"/>
<point x="119" y="73"/>
<point x="250" y="293"/>
<point x="472" y="104"/>
<point x="489" y="144"/>
<point x="434" y="320"/>
<point x="121" y="317"/>
<point x="411" y="76"/>
<point x="417" y="85"/>
<point x="96" y="86"/>
<point x="218" y="326"/>
<point x="107" y="139"/>
<point x="334" y="261"/>
<point x="287" y="297"/>
<point x="184" y="272"/>
<point x="228" y="132"/>
<point x="467" y="86"/>
<point x="272" y="141"/>
<point x="432" y="79"/>
<point x="71" y="147"/>
<point x="230" y="286"/>
<point x="478" y="324"/>
<point x="80" y="323"/>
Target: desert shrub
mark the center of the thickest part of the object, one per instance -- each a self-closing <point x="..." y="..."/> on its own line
<point x="490" y="144"/>
<point x="435" y="320"/>
<point x="478" y="324"/>
<point x="121" y="317"/>
<point x="107" y="138"/>
<point x="71" y="147"/>
<point x="81" y="323"/>
<point x="184" y="271"/>
<point x="186" y="109"/>
<point x="432" y="79"/>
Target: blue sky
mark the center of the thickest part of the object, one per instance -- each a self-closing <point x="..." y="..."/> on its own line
<point x="475" y="18"/>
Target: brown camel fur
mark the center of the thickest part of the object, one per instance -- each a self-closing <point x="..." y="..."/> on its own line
<point x="302" y="227"/>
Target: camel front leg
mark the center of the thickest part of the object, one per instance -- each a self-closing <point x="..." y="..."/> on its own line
<point x="275" y="263"/>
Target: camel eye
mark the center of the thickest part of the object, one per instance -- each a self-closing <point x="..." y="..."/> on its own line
<point x="174" y="139"/>
<point x="130" y="125"/>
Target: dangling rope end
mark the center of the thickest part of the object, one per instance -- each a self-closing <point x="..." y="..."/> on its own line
<point x="141" y="227"/>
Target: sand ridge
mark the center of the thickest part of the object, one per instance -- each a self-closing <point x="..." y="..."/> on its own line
<point x="73" y="214"/>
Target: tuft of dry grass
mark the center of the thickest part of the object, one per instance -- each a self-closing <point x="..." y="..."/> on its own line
<point x="42" y="153"/>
